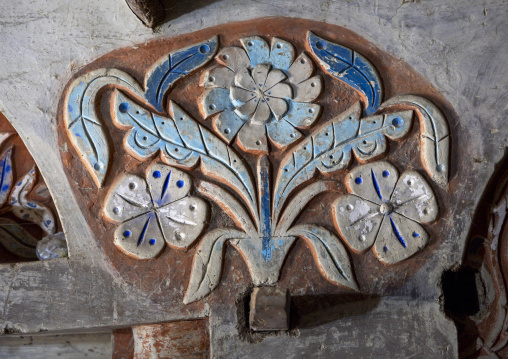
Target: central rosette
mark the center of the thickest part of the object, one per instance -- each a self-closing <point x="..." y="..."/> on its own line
<point x="258" y="94"/>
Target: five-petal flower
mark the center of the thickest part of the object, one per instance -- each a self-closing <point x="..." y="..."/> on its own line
<point x="261" y="91"/>
<point x="385" y="209"/>
<point x="156" y="211"/>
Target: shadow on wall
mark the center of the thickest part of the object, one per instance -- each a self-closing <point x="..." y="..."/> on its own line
<point x="156" y="12"/>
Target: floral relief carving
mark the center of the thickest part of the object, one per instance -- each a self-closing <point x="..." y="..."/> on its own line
<point x="257" y="155"/>
<point x="261" y="91"/>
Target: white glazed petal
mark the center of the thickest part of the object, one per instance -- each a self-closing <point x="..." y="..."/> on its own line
<point x="167" y="184"/>
<point x="280" y="91"/>
<point x="309" y="90"/>
<point x="140" y="237"/>
<point x="274" y="77"/>
<point x="218" y="77"/>
<point x="227" y="124"/>
<point x="282" y="134"/>
<point x="357" y="221"/>
<point x="414" y="198"/>
<point x="244" y="80"/>
<point x="301" y="69"/>
<point x="398" y="239"/>
<point x="183" y="221"/>
<point x="252" y="138"/>
<point x="259" y="75"/>
<point x="262" y="114"/>
<point x="374" y="181"/>
<point x="247" y="108"/>
<point x="282" y="54"/>
<point x="278" y="106"/>
<point x="127" y="198"/>
<point x="235" y="58"/>
<point x="239" y="96"/>
<point x="257" y="49"/>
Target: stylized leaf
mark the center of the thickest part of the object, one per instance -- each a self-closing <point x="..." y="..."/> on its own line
<point x="349" y="66"/>
<point x="328" y="148"/>
<point x="434" y="137"/>
<point x="29" y="210"/>
<point x="84" y="126"/>
<point x="183" y="142"/>
<point x="330" y="254"/>
<point x="207" y="265"/>
<point x="175" y="65"/>
<point x="16" y="240"/>
<point x="228" y="203"/>
<point x="5" y="175"/>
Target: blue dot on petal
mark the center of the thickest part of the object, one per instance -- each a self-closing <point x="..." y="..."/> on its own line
<point x="48" y="222"/>
<point x="5" y="187"/>
<point x="179" y="183"/>
<point x="157" y="174"/>
<point x="127" y="233"/>
<point x="358" y="180"/>
<point x="386" y="173"/>
<point x="385" y="249"/>
<point x="320" y="45"/>
<point x="397" y="122"/>
<point x="124" y="107"/>
<point x="151" y="241"/>
<point x="416" y="235"/>
<point x="204" y="49"/>
<point x="7" y="168"/>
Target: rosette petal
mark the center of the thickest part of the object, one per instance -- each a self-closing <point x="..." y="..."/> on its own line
<point x="274" y="77"/>
<point x="308" y="90"/>
<point x="252" y="138"/>
<point x="262" y="114"/>
<point x="259" y="74"/>
<point x="301" y="69"/>
<point x="244" y="80"/>
<point x="301" y="114"/>
<point x="257" y="50"/>
<point x="282" y="134"/>
<point x="278" y="107"/>
<point x="357" y="220"/>
<point x="167" y="184"/>
<point x="219" y="76"/>
<point x="414" y="198"/>
<point x="235" y="58"/>
<point x="128" y="198"/>
<point x="183" y="221"/>
<point x="227" y="124"/>
<point x="373" y="182"/>
<point x="398" y="239"/>
<point x="215" y="100"/>
<point x="140" y="237"/>
<point x="280" y="91"/>
<point x="239" y="96"/>
<point x="282" y="54"/>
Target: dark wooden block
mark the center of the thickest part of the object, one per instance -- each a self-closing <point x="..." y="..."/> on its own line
<point x="269" y="309"/>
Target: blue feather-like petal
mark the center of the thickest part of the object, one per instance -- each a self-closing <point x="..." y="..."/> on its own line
<point x="174" y="66"/>
<point x="350" y="67"/>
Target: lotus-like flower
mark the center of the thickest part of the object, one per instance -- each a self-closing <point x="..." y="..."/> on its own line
<point x="261" y="91"/>
<point x="156" y="211"/>
<point x="385" y="209"/>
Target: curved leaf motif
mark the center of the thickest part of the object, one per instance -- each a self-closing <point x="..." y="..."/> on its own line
<point x="207" y="265"/>
<point x="328" y="148"/>
<point x="434" y="137"/>
<point x="16" y="240"/>
<point x="349" y="66"/>
<point x="84" y="126"/>
<point x="175" y="65"/>
<point x="5" y="175"/>
<point x="183" y="142"/>
<point x="30" y="210"/>
<point x="329" y="253"/>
